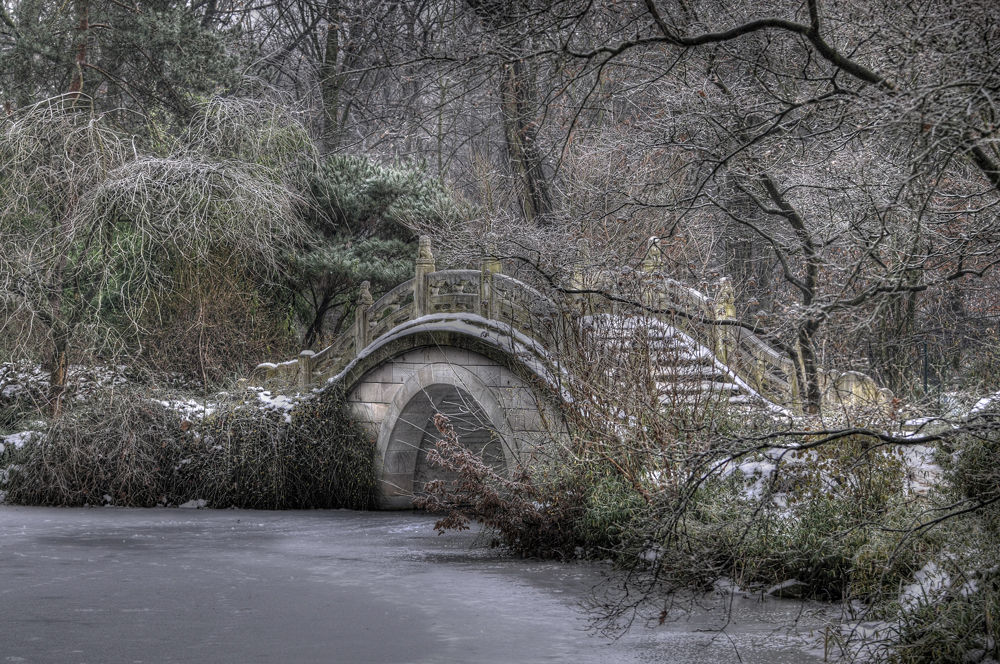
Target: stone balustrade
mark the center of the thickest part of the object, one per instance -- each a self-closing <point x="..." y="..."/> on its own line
<point x="492" y="295"/>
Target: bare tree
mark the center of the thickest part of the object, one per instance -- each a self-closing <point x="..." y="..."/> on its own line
<point x="835" y="137"/>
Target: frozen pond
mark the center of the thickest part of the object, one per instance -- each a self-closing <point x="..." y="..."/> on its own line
<point x="113" y="586"/>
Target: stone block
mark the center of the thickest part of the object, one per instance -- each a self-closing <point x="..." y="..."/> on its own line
<point x="475" y="359"/>
<point x="397" y="484"/>
<point x="364" y="411"/>
<point x="445" y="355"/>
<point x="378" y="411"/>
<point x="389" y="391"/>
<point x="367" y="391"/>
<point x="490" y="375"/>
<point x="383" y="374"/>
<point x="400" y="462"/>
<point x="533" y="420"/>
<point x="402" y="372"/>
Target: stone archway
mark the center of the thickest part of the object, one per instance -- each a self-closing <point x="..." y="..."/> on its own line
<point x="414" y="434"/>
<point x="493" y="409"/>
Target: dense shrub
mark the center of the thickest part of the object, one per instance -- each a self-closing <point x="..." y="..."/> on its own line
<point x="956" y="618"/>
<point x="956" y="622"/>
<point x="975" y="470"/>
<point x="130" y="451"/>
<point x="833" y="519"/>
<point x="215" y="323"/>
<point x="512" y="509"/>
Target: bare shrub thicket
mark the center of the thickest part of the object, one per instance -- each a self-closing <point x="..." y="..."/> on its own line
<point x="684" y="487"/>
<point x="215" y="323"/>
<point x="125" y="449"/>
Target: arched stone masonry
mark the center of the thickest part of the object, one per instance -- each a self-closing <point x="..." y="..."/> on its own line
<point x="492" y="408"/>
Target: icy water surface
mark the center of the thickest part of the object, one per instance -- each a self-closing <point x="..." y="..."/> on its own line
<point x="113" y="586"/>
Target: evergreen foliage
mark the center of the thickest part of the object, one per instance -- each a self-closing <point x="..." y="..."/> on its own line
<point x="364" y="216"/>
<point x="364" y="198"/>
<point x="146" y="60"/>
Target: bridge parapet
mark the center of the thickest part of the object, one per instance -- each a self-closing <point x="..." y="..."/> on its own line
<point x="482" y="292"/>
<point x="489" y="294"/>
<point x="713" y="322"/>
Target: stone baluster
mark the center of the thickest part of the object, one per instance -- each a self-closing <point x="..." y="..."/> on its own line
<point x="489" y="266"/>
<point x="362" y="326"/>
<point x="725" y="309"/>
<point x="424" y="266"/>
<point x="654" y="257"/>
<point x="305" y="368"/>
<point x="651" y="264"/>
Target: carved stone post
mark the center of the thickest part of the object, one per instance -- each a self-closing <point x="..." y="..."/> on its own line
<point x="725" y="309"/>
<point x="362" y="326"/>
<point x="654" y="257"/>
<point x="490" y="265"/>
<point x="305" y="368"/>
<point x="424" y="266"/>
<point x="650" y="266"/>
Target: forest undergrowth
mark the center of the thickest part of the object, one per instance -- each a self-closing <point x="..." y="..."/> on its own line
<point x="243" y="450"/>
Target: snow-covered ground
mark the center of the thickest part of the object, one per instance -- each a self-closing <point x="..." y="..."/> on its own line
<point x="17" y="377"/>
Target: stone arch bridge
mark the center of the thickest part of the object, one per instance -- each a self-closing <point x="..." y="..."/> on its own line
<point x="483" y="348"/>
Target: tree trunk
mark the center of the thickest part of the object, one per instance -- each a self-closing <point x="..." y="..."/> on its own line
<point x="331" y="81"/>
<point x="60" y="369"/>
<point x="891" y="355"/>
<point x="808" y="372"/>
<point x="315" y="331"/>
<point x="83" y="27"/>
<point x="520" y="131"/>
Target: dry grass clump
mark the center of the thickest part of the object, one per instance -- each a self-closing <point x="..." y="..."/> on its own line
<point x="130" y="451"/>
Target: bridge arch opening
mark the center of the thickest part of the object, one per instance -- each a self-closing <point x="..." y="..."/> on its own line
<point x="407" y="432"/>
<point x="414" y="434"/>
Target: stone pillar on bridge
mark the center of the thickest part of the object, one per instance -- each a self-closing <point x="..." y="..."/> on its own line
<point x="652" y="292"/>
<point x="654" y="257"/>
<point x="362" y="326"/>
<point x="305" y="368"/>
<point x="490" y="265"/>
<point x="424" y="266"/>
<point x="725" y="309"/>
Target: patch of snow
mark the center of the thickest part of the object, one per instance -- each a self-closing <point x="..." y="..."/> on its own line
<point x="984" y="403"/>
<point x="928" y="582"/>
<point x="762" y="471"/>
<point x="777" y="589"/>
<point x="18" y="440"/>
<point x="194" y="504"/>
<point x="190" y="408"/>
<point x="279" y="402"/>
<point x="922" y="472"/>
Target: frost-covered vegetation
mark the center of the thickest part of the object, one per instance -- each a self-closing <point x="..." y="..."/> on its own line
<point x="891" y="518"/>
<point x="249" y="451"/>
<point x="166" y="224"/>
